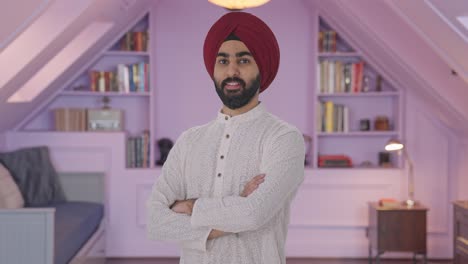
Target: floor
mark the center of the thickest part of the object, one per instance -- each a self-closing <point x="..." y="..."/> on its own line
<point x="289" y="261"/>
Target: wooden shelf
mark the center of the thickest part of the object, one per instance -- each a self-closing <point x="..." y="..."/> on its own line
<point x="338" y="54"/>
<point x="89" y="93"/>
<point x="357" y="168"/>
<point x="360" y="94"/>
<point x="125" y="53"/>
<point x="358" y="134"/>
<point x="142" y="169"/>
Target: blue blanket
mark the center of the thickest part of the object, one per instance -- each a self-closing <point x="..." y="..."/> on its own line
<point x="75" y="223"/>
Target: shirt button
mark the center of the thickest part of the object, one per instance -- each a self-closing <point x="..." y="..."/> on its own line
<point x="226" y="117"/>
<point x="219" y="174"/>
<point x="222" y="157"/>
<point x="227" y="136"/>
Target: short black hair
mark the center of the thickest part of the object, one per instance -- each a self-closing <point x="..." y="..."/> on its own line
<point x="232" y="37"/>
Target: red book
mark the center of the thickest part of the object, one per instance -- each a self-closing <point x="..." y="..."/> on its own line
<point x="137" y="41"/>
<point x="93" y="80"/>
<point x="107" y="81"/>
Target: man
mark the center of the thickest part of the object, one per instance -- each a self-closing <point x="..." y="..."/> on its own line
<point x="225" y="190"/>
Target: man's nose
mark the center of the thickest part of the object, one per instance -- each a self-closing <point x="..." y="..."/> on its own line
<point x="233" y="70"/>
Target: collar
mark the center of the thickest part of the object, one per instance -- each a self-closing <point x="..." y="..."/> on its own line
<point x="253" y="113"/>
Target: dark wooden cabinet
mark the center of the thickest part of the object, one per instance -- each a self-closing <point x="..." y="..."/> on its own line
<point x="397" y="228"/>
<point x="460" y="232"/>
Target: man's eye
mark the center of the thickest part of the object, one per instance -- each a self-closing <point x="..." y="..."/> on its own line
<point x="222" y="61"/>
<point x="244" y="61"/>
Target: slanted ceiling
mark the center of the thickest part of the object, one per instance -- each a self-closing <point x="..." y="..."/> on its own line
<point x="19" y="18"/>
<point x="118" y="13"/>
<point x="417" y="44"/>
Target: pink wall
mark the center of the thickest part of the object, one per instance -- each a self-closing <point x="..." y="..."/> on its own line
<point x="461" y="171"/>
<point x="181" y="27"/>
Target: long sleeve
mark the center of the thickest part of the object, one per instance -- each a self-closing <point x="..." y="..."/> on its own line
<point x="283" y="164"/>
<point x="162" y="222"/>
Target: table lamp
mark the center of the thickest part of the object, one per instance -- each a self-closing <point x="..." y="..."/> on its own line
<point x="397" y="145"/>
<point x="237" y="5"/>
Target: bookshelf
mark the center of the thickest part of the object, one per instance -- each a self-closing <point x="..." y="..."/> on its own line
<point x="121" y="75"/>
<point x="357" y="110"/>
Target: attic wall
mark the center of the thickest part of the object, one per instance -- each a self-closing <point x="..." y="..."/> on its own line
<point x="460" y="168"/>
<point x="443" y="38"/>
<point x="432" y="171"/>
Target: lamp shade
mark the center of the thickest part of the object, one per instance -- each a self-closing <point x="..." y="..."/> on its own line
<point x="394" y="145"/>
<point x="238" y="4"/>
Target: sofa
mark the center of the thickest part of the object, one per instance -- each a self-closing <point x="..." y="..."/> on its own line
<point x="38" y="224"/>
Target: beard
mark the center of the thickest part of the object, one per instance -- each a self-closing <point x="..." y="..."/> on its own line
<point x="237" y="99"/>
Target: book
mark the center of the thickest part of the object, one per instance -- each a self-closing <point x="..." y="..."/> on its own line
<point x="389" y="203"/>
<point x="329" y="106"/>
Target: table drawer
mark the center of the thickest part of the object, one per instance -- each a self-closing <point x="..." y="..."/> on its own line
<point x="461" y="232"/>
<point x="461" y="215"/>
<point x="460" y="259"/>
<point x="402" y="231"/>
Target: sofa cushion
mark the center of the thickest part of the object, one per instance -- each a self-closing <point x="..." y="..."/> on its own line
<point x="35" y="175"/>
<point x="10" y="195"/>
<point x="75" y="223"/>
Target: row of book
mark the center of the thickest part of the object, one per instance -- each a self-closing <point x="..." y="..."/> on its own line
<point x="126" y="79"/>
<point x="341" y="77"/>
<point x="332" y="117"/>
<point x="138" y="150"/>
<point x="87" y="119"/>
<point x="327" y="41"/>
<point x="70" y="119"/>
<point x="134" y="41"/>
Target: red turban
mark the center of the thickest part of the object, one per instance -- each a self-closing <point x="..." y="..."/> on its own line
<point x="254" y="33"/>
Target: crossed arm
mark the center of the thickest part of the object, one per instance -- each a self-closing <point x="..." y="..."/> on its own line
<point x="186" y="206"/>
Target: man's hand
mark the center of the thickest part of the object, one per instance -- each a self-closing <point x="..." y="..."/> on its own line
<point x="252" y="185"/>
<point x="249" y="188"/>
<point x="186" y="207"/>
<point x="183" y="207"/>
<point x="216" y="233"/>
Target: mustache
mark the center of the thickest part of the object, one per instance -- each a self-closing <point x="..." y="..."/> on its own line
<point x="233" y="79"/>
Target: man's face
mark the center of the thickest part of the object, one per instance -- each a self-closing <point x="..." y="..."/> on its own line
<point x="236" y="74"/>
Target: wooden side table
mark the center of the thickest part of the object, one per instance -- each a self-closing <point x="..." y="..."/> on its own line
<point x="399" y="228"/>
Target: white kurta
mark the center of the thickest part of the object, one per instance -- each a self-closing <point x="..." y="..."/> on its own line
<point x="213" y="163"/>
